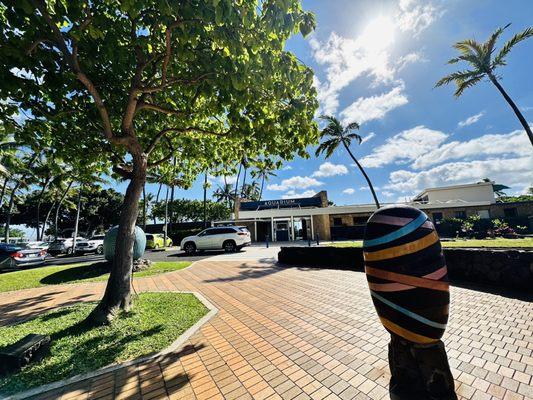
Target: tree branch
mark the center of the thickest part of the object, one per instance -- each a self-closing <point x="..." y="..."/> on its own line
<point x="155" y="107"/>
<point x="163" y="132"/>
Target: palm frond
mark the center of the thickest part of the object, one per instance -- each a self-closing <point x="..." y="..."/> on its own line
<point x="352" y="126"/>
<point x="353" y="136"/>
<point x="489" y="44"/>
<point x="462" y="85"/>
<point x="469" y="46"/>
<point x="457" y="76"/>
<point x="500" y="57"/>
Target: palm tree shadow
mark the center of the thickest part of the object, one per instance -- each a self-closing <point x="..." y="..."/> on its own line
<point x="91" y="271"/>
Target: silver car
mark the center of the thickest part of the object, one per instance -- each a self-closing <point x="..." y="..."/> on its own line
<point x="18" y="256"/>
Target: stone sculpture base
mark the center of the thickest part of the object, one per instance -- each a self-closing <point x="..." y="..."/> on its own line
<point x="419" y="371"/>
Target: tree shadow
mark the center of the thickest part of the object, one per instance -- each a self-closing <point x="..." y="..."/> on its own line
<point x="91" y="271"/>
<point x="267" y="267"/>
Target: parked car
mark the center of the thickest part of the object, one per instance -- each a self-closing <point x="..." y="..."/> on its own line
<point x="157" y="241"/>
<point x="228" y="238"/>
<point x="17" y="256"/>
<point x="62" y="246"/>
<point x="39" y="245"/>
<point x="93" y="245"/>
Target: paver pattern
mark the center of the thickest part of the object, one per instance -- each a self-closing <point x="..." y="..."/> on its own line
<point x="298" y="333"/>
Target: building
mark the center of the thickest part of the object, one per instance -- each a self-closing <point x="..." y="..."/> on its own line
<point x="307" y="218"/>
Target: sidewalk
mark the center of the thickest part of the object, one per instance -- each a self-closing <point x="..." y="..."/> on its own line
<point x="298" y="333"/>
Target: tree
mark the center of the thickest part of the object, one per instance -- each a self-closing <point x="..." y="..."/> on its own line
<point x="250" y="191"/>
<point x="264" y="172"/>
<point x="335" y="134"/>
<point x="186" y="210"/>
<point x="224" y="194"/>
<point x="497" y="188"/>
<point x="484" y="61"/>
<point x="145" y="80"/>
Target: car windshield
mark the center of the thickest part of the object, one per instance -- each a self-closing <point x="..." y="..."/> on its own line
<point x="59" y="241"/>
<point x="99" y="237"/>
<point x="243" y="229"/>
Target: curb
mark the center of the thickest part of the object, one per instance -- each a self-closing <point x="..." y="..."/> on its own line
<point x="113" y="367"/>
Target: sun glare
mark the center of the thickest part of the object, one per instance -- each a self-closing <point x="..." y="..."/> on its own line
<point x="378" y="34"/>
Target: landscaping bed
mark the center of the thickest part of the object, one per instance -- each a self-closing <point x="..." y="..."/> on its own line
<point x="503" y="268"/>
<point x="156" y="321"/>
<point x="76" y="273"/>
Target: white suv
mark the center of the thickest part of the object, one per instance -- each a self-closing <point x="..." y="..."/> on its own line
<point x="229" y="238"/>
<point x="93" y="245"/>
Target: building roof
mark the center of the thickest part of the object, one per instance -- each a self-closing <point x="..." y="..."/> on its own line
<point x="452" y="187"/>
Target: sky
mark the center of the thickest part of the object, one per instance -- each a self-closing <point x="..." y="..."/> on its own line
<point x="376" y="63"/>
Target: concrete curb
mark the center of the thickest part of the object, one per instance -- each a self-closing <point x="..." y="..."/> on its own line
<point x="113" y="367"/>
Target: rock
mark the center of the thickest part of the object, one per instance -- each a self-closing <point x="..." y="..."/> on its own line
<point x="31" y="348"/>
<point x="141" y="264"/>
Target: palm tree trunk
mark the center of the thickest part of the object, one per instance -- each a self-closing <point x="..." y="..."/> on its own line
<point x="243" y="182"/>
<point x="59" y="206"/>
<point x="166" y="218"/>
<point x="46" y="221"/>
<point x="4" y="186"/>
<point x="205" y="199"/>
<point x="172" y="197"/>
<point x="39" y="205"/>
<point x="364" y="174"/>
<point x="75" y="236"/>
<point x="237" y="184"/>
<point x="513" y="106"/>
<point x="144" y="207"/>
<point x="262" y="184"/>
<point x="157" y="199"/>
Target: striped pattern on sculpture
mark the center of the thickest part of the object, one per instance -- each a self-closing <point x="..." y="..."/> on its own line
<point x="407" y="274"/>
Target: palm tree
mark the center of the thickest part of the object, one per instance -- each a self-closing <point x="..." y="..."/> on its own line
<point x="250" y="191"/>
<point x="224" y="194"/>
<point x="335" y="135"/>
<point x="483" y="63"/>
<point x="264" y="172"/>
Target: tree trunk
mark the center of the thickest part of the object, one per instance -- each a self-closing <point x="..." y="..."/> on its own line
<point x="157" y="199"/>
<point x="513" y="106"/>
<point x="205" y="200"/>
<point x="39" y="205"/>
<point x="59" y="207"/>
<point x="46" y="221"/>
<point x="117" y="295"/>
<point x="237" y="185"/>
<point x="364" y="174"/>
<point x="243" y="187"/>
<point x="261" y="191"/>
<point x="75" y="236"/>
<point x="144" y="207"/>
<point x="166" y="218"/>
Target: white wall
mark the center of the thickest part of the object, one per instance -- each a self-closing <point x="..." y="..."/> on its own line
<point x="468" y="193"/>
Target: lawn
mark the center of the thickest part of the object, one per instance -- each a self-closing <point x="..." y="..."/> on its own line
<point x="500" y="242"/>
<point x="156" y="321"/>
<point x="75" y="273"/>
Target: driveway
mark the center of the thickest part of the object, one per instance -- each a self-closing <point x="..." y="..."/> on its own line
<point x="298" y="333"/>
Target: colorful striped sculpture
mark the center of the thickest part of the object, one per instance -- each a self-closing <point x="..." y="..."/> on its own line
<point x="406" y="273"/>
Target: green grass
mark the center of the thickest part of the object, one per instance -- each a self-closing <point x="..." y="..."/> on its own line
<point x="517" y="243"/>
<point x="156" y="321"/>
<point x="75" y="273"/>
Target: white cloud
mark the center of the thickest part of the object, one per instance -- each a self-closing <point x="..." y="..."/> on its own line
<point x="328" y="169"/>
<point x="291" y="194"/>
<point x="409" y="58"/>
<point x="405" y="146"/>
<point x="286" y="168"/>
<point x="416" y="15"/>
<point x="349" y="191"/>
<point x="386" y="193"/>
<point x="510" y="171"/>
<point x="296" y="182"/>
<point x="375" y="107"/>
<point x="514" y="143"/>
<point x="471" y="120"/>
<point x="368" y="137"/>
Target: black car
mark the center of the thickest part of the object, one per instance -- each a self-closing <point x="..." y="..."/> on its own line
<point x="18" y="256"/>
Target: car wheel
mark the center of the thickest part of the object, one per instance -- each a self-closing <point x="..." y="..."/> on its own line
<point x="189" y="248"/>
<point x="100" y="250"/>
<point x="229" y="246"/>
<point x="156" y="247"/>
<point x="69" y="251"/>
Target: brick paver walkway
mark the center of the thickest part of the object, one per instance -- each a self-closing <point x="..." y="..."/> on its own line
<point x="294" y="333"/>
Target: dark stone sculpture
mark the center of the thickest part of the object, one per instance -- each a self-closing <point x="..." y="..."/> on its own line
<point x="31" y="348"/>
<point x="407" y="277"/>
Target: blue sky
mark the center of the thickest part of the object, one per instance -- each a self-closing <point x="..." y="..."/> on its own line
<point x="376" y="63"/>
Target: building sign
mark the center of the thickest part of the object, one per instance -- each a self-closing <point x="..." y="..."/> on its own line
<point x="282" y="203"/>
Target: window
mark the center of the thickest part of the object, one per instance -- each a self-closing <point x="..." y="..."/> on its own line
<point x="337" y="221"/>
<point x="510" y="212"/>
<point x="223" y="231"/>
<point x="437" y="217"/>
<point x="460" y="214"/>
<point x="483" y="214"/>
<point x="360" y="220"/>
